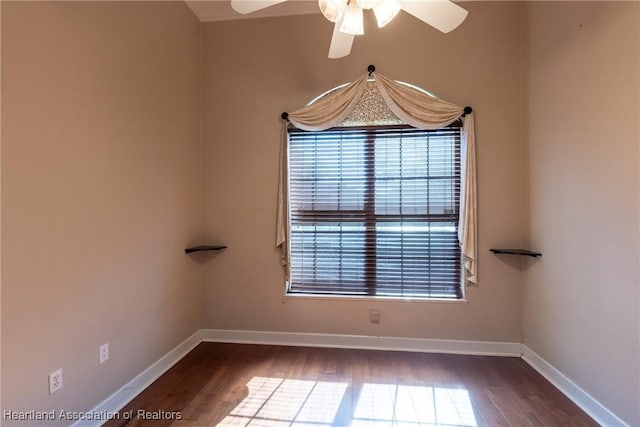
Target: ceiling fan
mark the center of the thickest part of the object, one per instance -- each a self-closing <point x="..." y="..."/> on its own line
<point x="443" y="15"/>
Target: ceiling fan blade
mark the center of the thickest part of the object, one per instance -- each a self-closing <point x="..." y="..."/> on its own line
<point x="340" y="42"/>
<point x="248" y="6"/>
<point x="443" y="15"/>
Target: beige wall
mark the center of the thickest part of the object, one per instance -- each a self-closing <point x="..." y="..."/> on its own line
<point x="255" y="69"/>
<point x="0" y="210"/>
<point x="101" y="191"/>
<point x="102" y="168"/>
<point x="581" y="300"/>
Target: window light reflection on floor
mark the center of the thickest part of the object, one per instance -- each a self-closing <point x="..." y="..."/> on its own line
<point x="275" y="402"/>
<point x="278" y="402"/>
<point x="391" y="405"/>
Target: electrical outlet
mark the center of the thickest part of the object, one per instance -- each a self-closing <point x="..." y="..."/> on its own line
<point x="103" y="352"/>
<point x="374" y="315"/>
<point x="55" y="381"/>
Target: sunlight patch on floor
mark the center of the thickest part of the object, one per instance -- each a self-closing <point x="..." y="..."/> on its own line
<point x="391" y="405"/>
<point x="277" y="402"/>
<point x="274" y="402"/>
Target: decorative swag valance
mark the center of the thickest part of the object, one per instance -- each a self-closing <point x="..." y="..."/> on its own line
<point x="413" y="107"/>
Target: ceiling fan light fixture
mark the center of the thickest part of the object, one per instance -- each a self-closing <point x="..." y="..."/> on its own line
<point x="368" y="4"/>
<point x="385" y="11"/>
<point x="352" y="22"/>
<point x="332" y="9"/>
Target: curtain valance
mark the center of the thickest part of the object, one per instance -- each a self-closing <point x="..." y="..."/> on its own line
<point x="413" y="107"/>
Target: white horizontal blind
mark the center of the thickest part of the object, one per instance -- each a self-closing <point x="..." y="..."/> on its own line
<point x="374" y="211"/>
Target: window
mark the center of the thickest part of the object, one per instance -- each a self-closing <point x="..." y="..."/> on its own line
<point x="374" y="211"/>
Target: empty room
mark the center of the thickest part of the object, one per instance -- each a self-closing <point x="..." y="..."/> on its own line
<point x="320" y="213"/>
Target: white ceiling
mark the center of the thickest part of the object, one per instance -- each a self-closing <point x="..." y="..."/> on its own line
<point x="220" y="10"/>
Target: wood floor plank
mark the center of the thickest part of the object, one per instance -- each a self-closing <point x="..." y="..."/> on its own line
<point x="238" y="384"/>
<point x="487" y="413"/>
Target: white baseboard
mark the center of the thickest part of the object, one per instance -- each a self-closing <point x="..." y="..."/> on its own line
<point x="130" y="390"/>
<point x="486" y="348"/>
<point x="591" y="406"/>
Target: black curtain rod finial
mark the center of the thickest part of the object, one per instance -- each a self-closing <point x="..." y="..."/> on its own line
<point x="371" y="69"/>
<point x="285" y="116"/>
<point x="467" y="110"/>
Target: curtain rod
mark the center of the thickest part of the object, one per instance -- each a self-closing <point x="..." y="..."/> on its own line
<point x="370" y="69"/>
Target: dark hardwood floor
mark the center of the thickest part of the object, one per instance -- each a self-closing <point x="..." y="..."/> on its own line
<point x="258" y="385"/>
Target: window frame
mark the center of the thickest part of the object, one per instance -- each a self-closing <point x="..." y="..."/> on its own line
<point x="372" y="219"/>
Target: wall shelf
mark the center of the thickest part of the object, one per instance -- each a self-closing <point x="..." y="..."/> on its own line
<point x="204" y="248"/>
<point x="516" y="252"/>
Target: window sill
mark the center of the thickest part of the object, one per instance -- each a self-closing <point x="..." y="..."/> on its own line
<point x="287" y="296"/>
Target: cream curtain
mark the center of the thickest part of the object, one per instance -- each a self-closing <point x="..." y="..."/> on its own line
<point x="413" y="107"/>
<point x="330" y="110"/>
